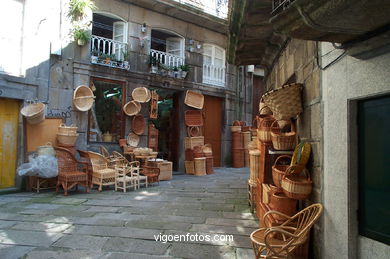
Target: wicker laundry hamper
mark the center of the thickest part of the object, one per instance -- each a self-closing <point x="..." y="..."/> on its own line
<point x="200" y="166"/>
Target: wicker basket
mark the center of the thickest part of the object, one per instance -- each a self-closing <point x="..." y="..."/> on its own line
<point x="279" y="170"/>
<point x="281" y="203"/>
<point x="209" y="165"/>
<point x="237" y="140"/>
<point x="132" y="108"/>
<point x="246" y="158"/>
<point x="141" y="94"/>
<point x="238" y="157"/>
<point x="237" y="123"/>
<point x="189" y="154"/>
<point x="194" y="131"/>
<point x="191" y="142"/>
<point x="132" y="140"/>
<point x="301" y="154"/>
<point x="34" y="112"/>
<point x="246" y="137"/>
<point x="200" y="166"/>
<point x="83" y="98"/>
<point x="207" y="150"/>
<point x="190" y="167"/>
<point x="197" y="152"/>
<point x="138" y="124"/>
<point x="254" y="165"/>
<point x="264" y="131"/>
<point x="285" y="102"/>
<point x="66" y="139"/>
<point x="263" y="109"/>
<point x="282" y="140"/>
<point x="193" y="118"/>
<point x="235" y="128"/>
<point x="296" y="186"/>
<point x="194" y="99"/>
<point x="63" y="129"/>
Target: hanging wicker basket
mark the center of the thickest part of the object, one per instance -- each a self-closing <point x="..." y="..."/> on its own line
<point x="34" y="112"/>
<point x="132" y="108"/>
<point x="138" y="124"/>
<point x="282" y="140"/>
<point x="264" y="131"/>
<point x="63" y="129"/>
<point x="141" y="94"/>
<point x="194" y="131"/>
<point x="193" y="118"/>
<point x="285" y="102"/>
<point x="279" y="170"/>
<point x="132" y="140"/>
<point x="295" y="185"/>
<point x="194" y="99"/>
<point x="83" y="98"/>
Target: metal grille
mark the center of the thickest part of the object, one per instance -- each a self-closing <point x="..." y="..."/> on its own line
<point x="280" y="5"/>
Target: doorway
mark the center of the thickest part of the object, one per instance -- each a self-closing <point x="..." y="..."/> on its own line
<point x="212" y="111"/>
<point x="9" y="115"/>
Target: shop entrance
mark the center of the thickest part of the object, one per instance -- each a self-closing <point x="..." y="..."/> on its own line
<point x="167" y="124"/>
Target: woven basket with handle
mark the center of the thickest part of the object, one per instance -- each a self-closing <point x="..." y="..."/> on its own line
<point x="83" y="98"/>
<point x="279" y="170"/>
<point x="296" y="185"/>
<point x="264" y="131"/>
<point x="282" y="140"/>
<point x="141" y="94"/>
<point x="285" y="102"/>
<point x="34" y="112"/>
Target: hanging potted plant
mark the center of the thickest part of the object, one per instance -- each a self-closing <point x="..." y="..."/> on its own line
<point x="78" y="9"/>
<point x="184" y="69"/>
<point x="81" y="35"/>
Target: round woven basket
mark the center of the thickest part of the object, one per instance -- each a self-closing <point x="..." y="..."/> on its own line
<point x="301" y="154"/>
<point x="238" y="157"/>
<point x="296" y="186"/>
<point x="63" y="129"/>
<point x="66" y="139"/>
<point x="237" y="140"/>
<point x="200" y="166"/>
<point x="279" y="170"/>
<point x="280" y="202"/>
<point x="282" y="140"/>
<point x="209" y="165"/>
<point x="132" y="108"/>
<point x="34" y="112"/>
<point x="132" y="140"/>
<point x="190" y="167"/>
<point x="235" y="128"/>
<point x="83" y="98"/>
<point x="138" y="124"/>
<point x="285" y="102"/>
<point x="141" y="94"/>
<point x="264" y="131"/>
<point x="194" y="131"/>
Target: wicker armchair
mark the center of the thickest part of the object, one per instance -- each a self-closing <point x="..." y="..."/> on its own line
<point x="85" y="158"/>
<point x="70" y="171"/>
<point x="110" y="158"/>
<point x="152" y="173"/>
<point x="102" y="175"/>
<point x="282" y="241"/>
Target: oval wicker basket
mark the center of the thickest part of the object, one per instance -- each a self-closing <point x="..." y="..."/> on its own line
<point x="194" y="131"/>
<point x="83" y="98"/>
<point x="264" y="131"/>
<point x="193" y="118"/>
<point x="296" y="186"/>
<point x="200" y="166"/>
<point x="281" y="203"/>
<point x="132" y="140"/>
<point x="279" y="170"/>
<point x="194" y="99"/>
<point x="141" y="94"/>
<point x="63" y="129"/>
<point x="138" y="124"/>
<point x="132" y="108"/>
<point x="282" y="140"/>
<point x="66" y="139"/>
<point x="34" y="112"/>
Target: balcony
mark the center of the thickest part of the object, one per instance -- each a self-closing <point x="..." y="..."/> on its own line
<point x="213" y="75"/>
<point x="108" y="52"/>
<point x="167" y="59"/>
<point x="280" y="5"/>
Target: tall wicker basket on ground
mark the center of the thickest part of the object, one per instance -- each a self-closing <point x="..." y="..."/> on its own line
<point x="254" y="162"/>
<point x="209" y="165"/>
<point x="246" y="138"/>
<point x="238" y="157"/>
<point x="200" y="166"/>
<point x="237" y="140"/>
<point x="190" y="167"/>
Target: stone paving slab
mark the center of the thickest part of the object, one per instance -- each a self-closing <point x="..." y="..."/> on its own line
<point x="30" y="238"/>
<point x="81" y="242"/>
<point x="13" y="251"/>
<point x="135" y="246"/>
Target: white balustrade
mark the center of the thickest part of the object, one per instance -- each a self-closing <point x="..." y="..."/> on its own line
<point x="167" y="58"/>
<point x="213" y="75"/>
<point x="109" y="47"/>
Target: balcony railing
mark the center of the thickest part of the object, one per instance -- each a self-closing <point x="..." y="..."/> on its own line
<point x="108" y="52"/>
<point x="213" y="75"/>
<point x="167" y="58"/>
<point x="280" y="5"/>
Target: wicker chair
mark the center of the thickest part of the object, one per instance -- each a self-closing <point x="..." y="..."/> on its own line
<point x="70" y="171"/>
<point x="134" y="166"/>
<point x="124" y="178"/>
<point x="281" y="241"/>
<point x="102" y="175"/>
<point x="85" y="158"/>
<point x="152" y="173"/>
<point x="110" y="158"/>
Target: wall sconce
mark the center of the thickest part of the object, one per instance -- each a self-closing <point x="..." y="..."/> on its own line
<point x="143" y="28"/>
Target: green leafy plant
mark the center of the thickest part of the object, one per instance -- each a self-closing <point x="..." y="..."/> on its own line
<point x="82" y="35"/>
<point x="153" y="61"/>
<point x="175" y="68"/>
<point x="125" y="55"/>
<point x="78" y="8"/>
<point x="185" y="68"/>
<point x="163" y="67"/>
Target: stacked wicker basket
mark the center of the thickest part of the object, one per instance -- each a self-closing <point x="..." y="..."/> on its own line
<point x="241" y="137"/>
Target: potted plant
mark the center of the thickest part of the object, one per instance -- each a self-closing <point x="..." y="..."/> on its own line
<point x="175" y="72"/>
<point x="94" y="56"/>
<point x="78" y="8"/>
<point x="154" y="64"/>
<point x="81" y="35"/>
<point x="170" y="71"/>
<point x="184" y="69"/>
<point x="163" y="69"/>
<point x="125" y="63"/>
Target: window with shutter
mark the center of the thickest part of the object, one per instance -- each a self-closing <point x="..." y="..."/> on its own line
<point x="119" y="36"/>
<point x="213" y="65"/>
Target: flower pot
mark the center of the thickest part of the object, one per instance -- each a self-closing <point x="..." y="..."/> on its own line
<point x="94" y="59"/>
<point x="175" y="74"/>
<point x="126" y="65"/>
<point x="81" y="42"/>
<point x="183" y="74"/>
<point x="154" y="69"/>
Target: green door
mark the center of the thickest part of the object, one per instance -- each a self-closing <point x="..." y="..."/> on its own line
<point x="374" y="168"/>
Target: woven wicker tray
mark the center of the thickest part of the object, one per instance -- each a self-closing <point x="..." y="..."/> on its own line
<point x="138" y="124"/>
<point x="194" y="99"/>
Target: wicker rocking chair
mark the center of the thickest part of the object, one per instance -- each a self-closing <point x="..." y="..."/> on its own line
<point x="102" y="175"/>
<point x="70" y="171"/>
<point x="281" y="241"/>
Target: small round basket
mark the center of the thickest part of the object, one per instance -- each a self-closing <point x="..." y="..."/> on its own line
<point x="138" y="124"/>
<point x="83" y="98"/>
<point x="296" y="185"/>
<point x="69" y="130"/>
<point x="66" y="139"/>
<point x="132" y="108"/>
<point x="34" y="112"/>
<point x="282" y="140"/>
<point x="279" y="170"/>
<point x="132" y="140"/>
<point x="141" y="94"/>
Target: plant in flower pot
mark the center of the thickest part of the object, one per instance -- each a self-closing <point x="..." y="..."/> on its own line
<point x="125" y="63"/>
<point x="170" y="71"/>
<point x="163" y="69"/>
<point x="81" y="35"/>
<point x="154" y="64"/>
<point x="184" y="69"/>
<point x="78" y="9"/>
<point x="113" y="61"/>
<point x="94" y="56"/>
<point x="176" y="72"/>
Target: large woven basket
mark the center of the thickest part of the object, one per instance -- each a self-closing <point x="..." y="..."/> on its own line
<point x="281" y="203"/>
<point x="132" y="140"/>
<point x="238" y="157"/>
<point x="83" y="98"/>
<point x="296" y="186"/>
<point x="200" y="166"/>
<point x="264" y="131"/>
<point x="66" y="139"/>
<point x="34" y="112"/>
<point x="209" y="165"/>
<point x="138" y="124"/>
<point x="132" y="108"/>
<point x="193" y="118"/>
<point x="190" y="167"/>
<point x="141" y="94"/>
<point x="254" y="164"/>
<point x="279" y="170"/>
<point x="191" y="142"/>
<point x="63" y="129"/>
<point x="237" y="140"/>
<point x="194" y="99"/>
<point x="282" y="140"/>
<point x="285" y="102"/>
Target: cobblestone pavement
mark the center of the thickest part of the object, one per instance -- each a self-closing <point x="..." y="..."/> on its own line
<point x="111" y="224"/>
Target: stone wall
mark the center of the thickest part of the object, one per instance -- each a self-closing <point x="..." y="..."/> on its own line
<point x="297" y="63"/>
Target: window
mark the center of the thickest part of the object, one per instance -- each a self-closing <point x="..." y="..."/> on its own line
<point x="167" y="48"/>
<point x="374" y="168"/>
<point x="213" y="65"/>
<point x="106" y="116"/>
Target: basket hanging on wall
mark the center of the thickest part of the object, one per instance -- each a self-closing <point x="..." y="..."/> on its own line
<point x="138" y="124"/>
<point x="83" y="98"/>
